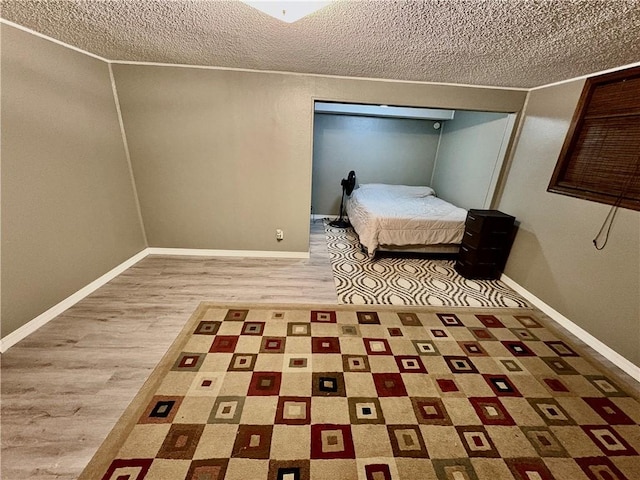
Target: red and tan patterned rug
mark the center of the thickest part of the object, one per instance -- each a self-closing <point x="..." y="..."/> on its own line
<point x="279" y="392"/>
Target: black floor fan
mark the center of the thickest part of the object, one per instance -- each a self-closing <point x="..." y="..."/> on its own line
<point x="348" y="184"/>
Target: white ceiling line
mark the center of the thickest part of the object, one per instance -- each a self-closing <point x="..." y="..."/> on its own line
<point x="207" y="67"/>
<point x="234" y="69"/>
<point x="584" y="77"/>
<point x="37" y="34"/>
<point x="320" y="75"/>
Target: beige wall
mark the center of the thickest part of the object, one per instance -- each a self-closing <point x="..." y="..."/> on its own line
<point x="553" y="256"/>
<point x="223" y="158"/>
<point x="453" y="97"/>
<point x="68" y="208"/>
<point x="380" y="150"/>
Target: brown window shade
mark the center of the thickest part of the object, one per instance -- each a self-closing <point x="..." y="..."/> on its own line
<point x="600" y="159"/>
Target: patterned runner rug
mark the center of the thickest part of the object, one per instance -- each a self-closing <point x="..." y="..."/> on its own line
<point x="407" y="281"/>
<point x="275" y="392"/>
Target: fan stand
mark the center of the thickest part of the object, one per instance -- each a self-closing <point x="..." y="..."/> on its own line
<point x="341" y="222"/>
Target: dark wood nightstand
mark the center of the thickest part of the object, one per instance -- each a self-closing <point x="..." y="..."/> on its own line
<point x="488" y="236"/>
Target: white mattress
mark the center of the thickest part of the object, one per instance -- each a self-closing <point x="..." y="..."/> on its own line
<point x="400" y="215"/>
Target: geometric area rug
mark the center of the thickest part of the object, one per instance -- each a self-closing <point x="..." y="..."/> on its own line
<point x="407" y="280"/>
<point x="294" y="392"/>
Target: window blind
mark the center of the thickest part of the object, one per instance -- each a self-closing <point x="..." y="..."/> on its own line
<point x="600" y="159"/>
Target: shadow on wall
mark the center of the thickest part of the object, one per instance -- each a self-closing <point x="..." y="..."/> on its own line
<point x="528" y="251"/>
<point x="380" y="150"/>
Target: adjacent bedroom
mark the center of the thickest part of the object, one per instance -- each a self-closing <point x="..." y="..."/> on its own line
<point x="414" y="174"/>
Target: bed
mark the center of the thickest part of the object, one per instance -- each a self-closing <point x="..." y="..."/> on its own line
<point x="404" y="218"/>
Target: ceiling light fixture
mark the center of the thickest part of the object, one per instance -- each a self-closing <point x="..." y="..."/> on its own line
<point x="288" y="11"/>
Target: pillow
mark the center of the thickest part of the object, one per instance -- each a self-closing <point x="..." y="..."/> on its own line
<point x="418" y="192"/>
<point x="401" y="190"/>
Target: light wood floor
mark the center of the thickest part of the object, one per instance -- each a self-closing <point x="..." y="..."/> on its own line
<point x="66" y="385"/>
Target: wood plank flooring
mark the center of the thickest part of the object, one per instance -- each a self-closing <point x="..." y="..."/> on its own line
<point x="66" y="385"/>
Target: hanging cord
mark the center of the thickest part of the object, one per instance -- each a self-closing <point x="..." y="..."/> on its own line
<point x="608" y="221"/>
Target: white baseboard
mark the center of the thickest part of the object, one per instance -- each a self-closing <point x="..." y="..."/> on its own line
<point x="33" y="325"/>
<point x="30" y="327"/>
<point x="197" y="252"/>
<point x="614" y="357"/>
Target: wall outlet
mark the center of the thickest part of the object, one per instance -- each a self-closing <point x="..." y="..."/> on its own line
<point x="279" y="234"/>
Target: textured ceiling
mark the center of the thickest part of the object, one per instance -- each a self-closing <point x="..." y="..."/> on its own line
<point x="515" y="43"/>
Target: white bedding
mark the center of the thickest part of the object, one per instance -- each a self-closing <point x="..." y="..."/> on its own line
<point x="400" y="215"/>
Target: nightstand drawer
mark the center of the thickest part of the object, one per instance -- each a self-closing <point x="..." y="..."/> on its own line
<point x="488" y="220"/>
<point x="469" y="254"/>
<point x="474" y="222"/>
<point x="478" y="270"/>
<point x="487" y="240"/>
